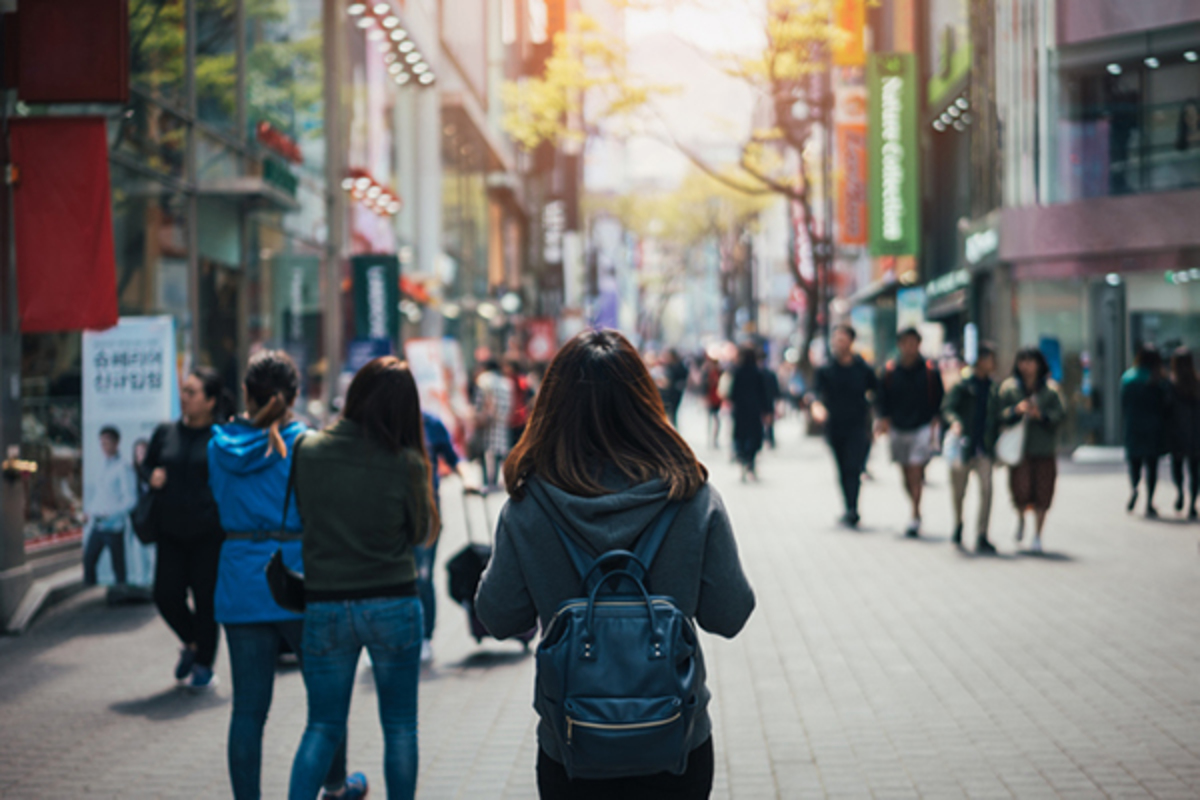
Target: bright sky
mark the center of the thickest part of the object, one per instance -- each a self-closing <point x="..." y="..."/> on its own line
<point x="717" y="25"/>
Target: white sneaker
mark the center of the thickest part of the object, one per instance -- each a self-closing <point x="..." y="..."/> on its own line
<point x="426" y="652"/>
<point x="1036" y="546"/>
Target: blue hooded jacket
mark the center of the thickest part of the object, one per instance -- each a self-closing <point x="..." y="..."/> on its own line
<point x="249" y="487"/>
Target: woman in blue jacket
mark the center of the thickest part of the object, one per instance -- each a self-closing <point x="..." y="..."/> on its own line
<point x="249" y="462"/>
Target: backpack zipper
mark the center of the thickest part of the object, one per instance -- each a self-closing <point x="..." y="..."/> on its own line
<point x="612" y="726"/>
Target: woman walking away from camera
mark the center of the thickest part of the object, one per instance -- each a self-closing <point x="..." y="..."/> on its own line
<point x="187" y="523"/>
<point x="1145" y="400"/>
<point x="750" y="409"/>
<point x="1031" y="396"/>
<point x="364" y="489"/>
<point x="1185" y="428"/>
<point x="601" y="462"/>
<point x="249" y="463"/>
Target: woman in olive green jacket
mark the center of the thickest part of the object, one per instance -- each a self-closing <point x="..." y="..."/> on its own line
<point x="1030" y="395"/>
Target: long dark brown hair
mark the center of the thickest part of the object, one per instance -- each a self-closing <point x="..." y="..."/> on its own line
<point x="597" y="407"/>
<point x="1183" y="374"/>
<point x="383" y="400"/>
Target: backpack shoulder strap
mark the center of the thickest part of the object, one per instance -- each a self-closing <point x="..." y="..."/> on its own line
<point x="648" y="544"/>
<point x="579" y="559"/>
<point x="291" y="483"/>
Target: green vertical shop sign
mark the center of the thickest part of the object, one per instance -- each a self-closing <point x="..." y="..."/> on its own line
<point x="892" y="123"/>
<point x="376" y="296"/>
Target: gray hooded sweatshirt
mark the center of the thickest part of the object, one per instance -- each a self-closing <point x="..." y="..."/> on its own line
<point x="530" y="573"/>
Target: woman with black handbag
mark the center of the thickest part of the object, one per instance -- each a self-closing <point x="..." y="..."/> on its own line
<point x="180" y="514"/>
<point x="250" y="463"/>
<point x="365" y="492"/>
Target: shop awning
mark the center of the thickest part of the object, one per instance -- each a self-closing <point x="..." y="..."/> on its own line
<point x="465" y="122"/>
<point x="252" y="189"/>
<point x="62" y="213"/>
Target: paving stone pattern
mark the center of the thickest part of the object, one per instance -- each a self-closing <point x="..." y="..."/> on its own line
<point x="874" y="666"/>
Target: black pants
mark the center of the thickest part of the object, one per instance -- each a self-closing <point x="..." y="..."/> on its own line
<point x="695" y="784"/>
<point x="1135" y="471"/>
<point x="184" y="565"/>
<point x="97" y="541"/>
<point x="1193" y="468"/>
<point x="850" y="453"/>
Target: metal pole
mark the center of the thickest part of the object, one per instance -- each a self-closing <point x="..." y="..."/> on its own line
<point x="333" y="26"/>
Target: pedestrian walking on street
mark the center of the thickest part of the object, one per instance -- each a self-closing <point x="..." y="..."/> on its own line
<point x="440" y="448"/>
<point x="972" y="410"/>
<point x="249" y="463"/>
<point x="1185" y="429"/>
<point x="771" y="384"/>
<point x="843" y="390"/>
<point x="601" y="462"/>
<point x="713" y="400"/>
<point x="910" y="399"/>
<point x="1145" y="404"/>
<point x="187" y="523"/>
<point x="1031" y="398"/>
<point x="365" y="491"/>
<point x="675" y="379"/>
<point x="748" y="396"/>
<point x="493" y="404"/>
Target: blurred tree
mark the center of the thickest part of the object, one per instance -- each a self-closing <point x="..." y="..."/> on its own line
<point x="791" y="72"/>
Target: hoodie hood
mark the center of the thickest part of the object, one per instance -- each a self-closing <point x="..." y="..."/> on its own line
<point x="241" y="449"/>
<point x="609" y="522"/>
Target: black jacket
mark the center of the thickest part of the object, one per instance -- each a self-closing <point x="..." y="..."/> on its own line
<point x="910" y="397"/>
<point x="1185" y="424"/>
<point x="185" y="506"/>
<point x="843" y="390"/>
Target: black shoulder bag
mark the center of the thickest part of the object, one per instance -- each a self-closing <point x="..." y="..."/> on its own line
<point x="146" y="516"/>
<point x="287" y="585"/>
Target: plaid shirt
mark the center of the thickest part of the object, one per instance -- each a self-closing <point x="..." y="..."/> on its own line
<point x="495" y="395"/>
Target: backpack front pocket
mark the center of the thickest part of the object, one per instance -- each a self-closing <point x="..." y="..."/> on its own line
<point x="615" y="736"/>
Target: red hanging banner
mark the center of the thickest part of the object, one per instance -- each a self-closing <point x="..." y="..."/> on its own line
<point x="62" y="213"/>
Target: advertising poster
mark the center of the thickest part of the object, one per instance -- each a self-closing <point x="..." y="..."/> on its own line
<point x="892" y="154"/>
<point x="424" y="358"/>
<point x="852" y="186"/>
<point x="850" y="48"/>
<point x="129" y="387"/>
<point x="949" y="47"/>
<point x="376" y="296"/>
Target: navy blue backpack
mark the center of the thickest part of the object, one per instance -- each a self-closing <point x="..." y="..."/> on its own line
<point x="620" y="675"/>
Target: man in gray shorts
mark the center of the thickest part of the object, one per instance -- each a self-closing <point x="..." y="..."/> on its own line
<point x="910" y="395"/>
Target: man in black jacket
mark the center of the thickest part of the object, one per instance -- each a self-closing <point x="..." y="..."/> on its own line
<point x="842" y="404"/>
<point x="910" y="397"/>
<point x="972" y="410"/>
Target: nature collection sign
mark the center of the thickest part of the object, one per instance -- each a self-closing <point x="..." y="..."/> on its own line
<point x="892" y="158"/>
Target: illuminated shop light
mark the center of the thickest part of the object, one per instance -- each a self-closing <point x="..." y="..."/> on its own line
<point x="939" y="126"/>
<point x="407" y="47"/>
<point x="1114" y="69"/>
<point x="1152" y="62"/>
<point x="399" y="35"/>
<point x="954" y="111"/>
<point x="413" y="58"/>
<point x="403" y="78"/>
<point x="374" y="192"/>
<point x="945" y="119"/>
<point x="362" y="183"/>
<point x="356" y="9"/>
<point x="959" y="126"/>
<point x="420" y="68"/>
<point x="383" y="8"/>
<point x="390" y="22"/>
<point x="347" y="183"/>
<point x="365" y="22"/>
<point x="966" y="118"/>
<point x="427" y="78"/>
<point x="390" y="58"/>
<point x="395" y="69"/>
<point x="962" y="103"/>
<point x="1192" y="56"/>
<point x="375" y="35"/>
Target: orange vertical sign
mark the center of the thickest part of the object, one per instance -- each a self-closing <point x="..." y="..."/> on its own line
<point x="850" y="17"/>
<point x="852" y="184"/>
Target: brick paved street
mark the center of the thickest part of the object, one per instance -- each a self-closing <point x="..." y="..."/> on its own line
<point x="873" y="667"/>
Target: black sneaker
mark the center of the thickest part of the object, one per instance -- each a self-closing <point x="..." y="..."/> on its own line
<point x="913" y="530"/>
<point x="984" y="547"/>
<point x="1132" y="501"/>
<point x="187" y="660"/>
<point x="1151" y="513"/>
<point x="1179" y="503"/>
<point x="848" y="520"/>
<point x="956" y="537"/>
<point x="1192" y="515"/>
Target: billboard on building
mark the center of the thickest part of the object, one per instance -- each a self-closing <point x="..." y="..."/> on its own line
<point x="851" y="18"/>
<point x="894" y="197"/>
<point x="376" y="296"/>
<point x="852" y="184"/>
<point x="948" y="47"/>
<point x="129" y="388"/>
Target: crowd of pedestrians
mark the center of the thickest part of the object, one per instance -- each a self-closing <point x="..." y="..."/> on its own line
<point x="351" y="510"/>
<point x="1161" y="412"/>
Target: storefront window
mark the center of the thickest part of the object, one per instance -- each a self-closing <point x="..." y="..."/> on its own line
<point x="1053" y="316"/>
<point x="216" y="63"/>
<point x="157" y="46"/>
<point x="1130" y="126"/>
<point x="150" y="233"/>
<point x="1164" y="310"/>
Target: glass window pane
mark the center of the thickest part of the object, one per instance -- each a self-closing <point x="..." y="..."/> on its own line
<point x="153" y="136"/>
<point x="150" y="233"/>
<point x="216" y="63"/>
<point x="157" y="42"/>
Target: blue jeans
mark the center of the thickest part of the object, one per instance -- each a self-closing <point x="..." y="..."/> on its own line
<point x="426" y="558"/>
<point x="334" y="636"/>
<point x="253" y="652"/>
